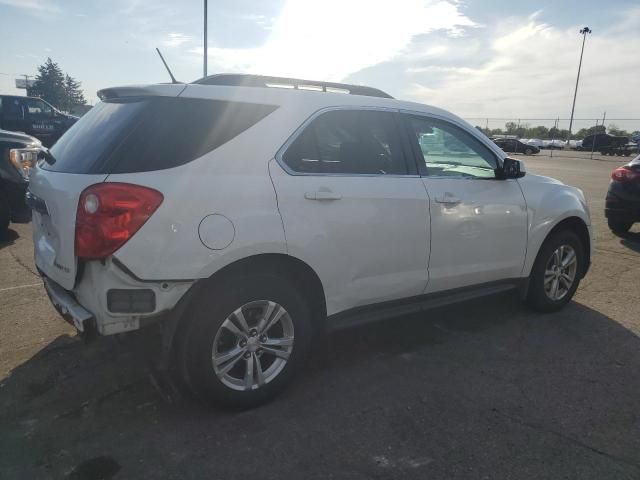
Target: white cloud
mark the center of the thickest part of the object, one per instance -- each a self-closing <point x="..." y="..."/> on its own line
<point x="35" y="6"/>
<point x="329" y="40"/>
<point x="176" y="39"/>
<point x="530" y="70"/>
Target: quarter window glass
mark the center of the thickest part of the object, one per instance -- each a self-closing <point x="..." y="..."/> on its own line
<point x="349" y="142"/>
<point x="448" y="150"/>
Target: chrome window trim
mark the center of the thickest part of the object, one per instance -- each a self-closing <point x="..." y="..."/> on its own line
<point x="298" y="131"/>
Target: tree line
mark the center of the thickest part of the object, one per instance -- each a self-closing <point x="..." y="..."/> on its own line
<point x="524" y="130"/>
<point x="59" y="89"/>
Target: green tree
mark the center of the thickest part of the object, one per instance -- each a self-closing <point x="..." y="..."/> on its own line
<point x="537" y="132"/>
<point x="73" y="93"/>
<point x="614" y="130"/>
<point x="585" y="132"/>
<point x="52" y="85"/>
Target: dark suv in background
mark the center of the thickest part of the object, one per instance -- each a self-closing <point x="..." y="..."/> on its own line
<point x="15" y="167"/>
<point x="35" y="117"/>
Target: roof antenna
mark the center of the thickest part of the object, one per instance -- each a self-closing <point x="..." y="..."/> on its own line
<point x="173" y="79"/>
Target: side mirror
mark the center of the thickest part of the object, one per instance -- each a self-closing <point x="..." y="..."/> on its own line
<point x="511" y="168"/>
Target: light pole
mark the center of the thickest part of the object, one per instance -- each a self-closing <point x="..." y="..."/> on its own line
<point x="584" y="32"/>
<point x="204" y="65"/>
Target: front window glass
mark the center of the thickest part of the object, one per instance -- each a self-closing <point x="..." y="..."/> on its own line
<point x="37" y="107"/>
<point x="448" y="150"/>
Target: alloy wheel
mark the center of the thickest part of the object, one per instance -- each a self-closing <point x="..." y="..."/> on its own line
<point x="560" y="272"/>
<point x="253" y="345"/>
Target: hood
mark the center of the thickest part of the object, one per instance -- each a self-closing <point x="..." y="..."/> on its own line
<point x="532" y="178"/>
<point x="6" y="135"/>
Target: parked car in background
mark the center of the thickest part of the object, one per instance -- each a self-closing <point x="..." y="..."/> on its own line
<point x="34" y="117"/>
<point x="553" y="144"/>
<point x="622" y="204"/>
<point x="536" y="142"/>
<point x="513" y="145"/>
<point x="15" y="167"/>
<point x="575" y="144"/>
<point x="246" y="219"/>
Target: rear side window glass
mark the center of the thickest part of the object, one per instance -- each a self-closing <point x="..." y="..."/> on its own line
<point x="146" y="134"/>
<point x="349" y="142"/>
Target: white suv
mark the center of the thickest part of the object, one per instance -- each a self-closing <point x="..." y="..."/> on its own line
<point x="246" y="214"/>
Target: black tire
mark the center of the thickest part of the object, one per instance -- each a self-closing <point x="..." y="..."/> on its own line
<point x="528" y="151"/>
<point x="537" y="298"/>
<point x="618" y="226"/>
<point x="626" y="154"/>
<point x="206" y="314"/>
<point x="5" y="215"/>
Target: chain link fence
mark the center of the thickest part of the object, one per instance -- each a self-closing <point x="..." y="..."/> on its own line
<point x="551" y="135"/>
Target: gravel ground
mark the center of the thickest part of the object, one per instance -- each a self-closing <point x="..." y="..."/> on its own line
<point x="486" y="389"/>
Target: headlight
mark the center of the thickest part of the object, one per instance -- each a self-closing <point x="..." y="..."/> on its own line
<point x="23" y="159"/>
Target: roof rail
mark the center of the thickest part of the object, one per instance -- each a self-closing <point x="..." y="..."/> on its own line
<point x="242" y="80"/>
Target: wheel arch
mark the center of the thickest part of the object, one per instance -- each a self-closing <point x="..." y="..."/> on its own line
<point x="292" y="268"/>
<point x="579" y="227"/>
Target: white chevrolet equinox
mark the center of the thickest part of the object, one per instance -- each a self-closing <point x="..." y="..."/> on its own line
<point x="243" y="215"/>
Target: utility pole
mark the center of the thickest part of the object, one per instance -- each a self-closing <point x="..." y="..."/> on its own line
<point x="205" y="40"/>
<point x="584" y="32"/>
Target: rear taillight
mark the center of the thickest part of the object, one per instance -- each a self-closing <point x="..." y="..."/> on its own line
<point x="624" y="174"/>
<point x="109" y="214"/>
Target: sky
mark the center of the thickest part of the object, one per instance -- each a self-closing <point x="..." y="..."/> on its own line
<point x="490" y="59"/>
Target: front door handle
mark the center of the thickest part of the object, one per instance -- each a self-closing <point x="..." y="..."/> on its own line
<point x="448" y="199"/>
<point x="322" y="195"/>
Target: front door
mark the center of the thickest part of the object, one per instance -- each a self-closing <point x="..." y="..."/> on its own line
<point x="478" y="223"/>
<point x="354" y="208"/>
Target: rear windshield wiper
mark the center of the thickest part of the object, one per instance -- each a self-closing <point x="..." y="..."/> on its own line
<point x="46" y="155"/>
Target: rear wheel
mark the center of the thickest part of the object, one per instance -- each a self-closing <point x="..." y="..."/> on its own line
<point x="5" y="215"/>
<point x="619" y="226"/>
<point x="246" y="341"/>
<point x="556" y="272"/>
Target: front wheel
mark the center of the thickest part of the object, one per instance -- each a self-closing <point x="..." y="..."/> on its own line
<point x="556" y="272"/>
<point x="528" y="151"/>
<point x="245" y="340"/>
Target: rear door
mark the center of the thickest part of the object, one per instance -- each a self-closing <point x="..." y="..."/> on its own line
<point x="354" y="208"/>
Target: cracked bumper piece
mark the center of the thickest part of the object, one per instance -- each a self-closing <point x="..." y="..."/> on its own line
<point x="66" y="305"/>
<point x="107" y="300"/>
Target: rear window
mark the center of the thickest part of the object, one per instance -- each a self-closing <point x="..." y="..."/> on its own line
<point x="145" y="134"/>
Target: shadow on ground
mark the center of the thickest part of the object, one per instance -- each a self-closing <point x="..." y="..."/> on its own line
<point x="631" y="240"/>
<point x="8" y="238"/>
<point x="481" y="390"/>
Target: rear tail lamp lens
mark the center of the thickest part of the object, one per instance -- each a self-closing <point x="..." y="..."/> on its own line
<point x="109" y="214"/>
<point x="624" y="174"/>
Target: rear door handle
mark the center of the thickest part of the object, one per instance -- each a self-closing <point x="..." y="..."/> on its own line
<point x="448" y="199"/>
<point x="322" y="195"/>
